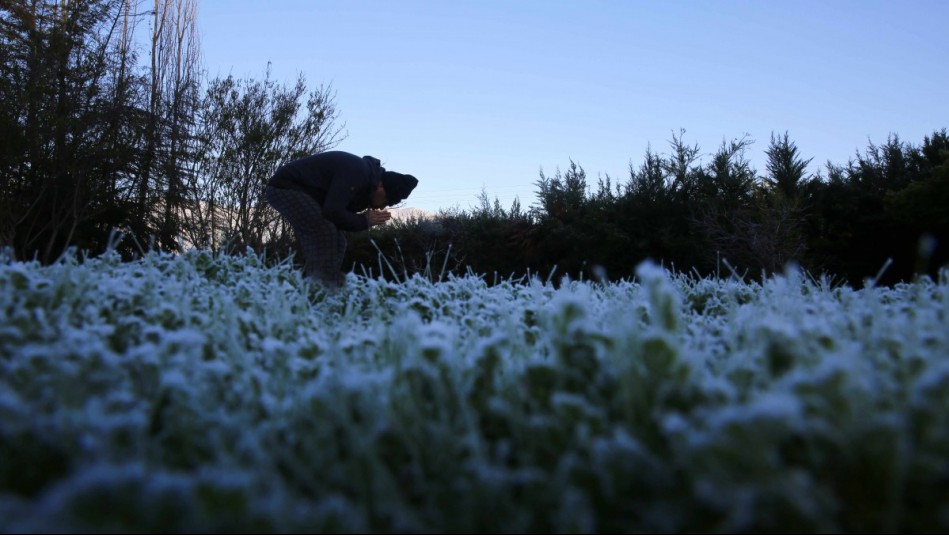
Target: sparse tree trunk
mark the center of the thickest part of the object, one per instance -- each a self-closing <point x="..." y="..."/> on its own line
<point x="181" y="102"/>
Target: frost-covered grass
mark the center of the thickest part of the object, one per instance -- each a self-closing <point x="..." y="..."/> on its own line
<point x="201" y="393"/>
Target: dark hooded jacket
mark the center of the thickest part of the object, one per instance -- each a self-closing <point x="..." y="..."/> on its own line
<point x="341" y="182"/>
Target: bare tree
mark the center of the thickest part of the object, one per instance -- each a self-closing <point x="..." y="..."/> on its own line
<point x="173" y="82"/>
<point x="181" y="100"/>
<point x="245" y="130"/>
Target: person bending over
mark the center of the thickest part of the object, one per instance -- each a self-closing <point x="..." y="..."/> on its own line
<point x="326" y="194"/>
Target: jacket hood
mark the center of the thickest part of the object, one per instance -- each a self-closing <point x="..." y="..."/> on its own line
<point x="375" y="171"/>
<point x="398" y="186"/>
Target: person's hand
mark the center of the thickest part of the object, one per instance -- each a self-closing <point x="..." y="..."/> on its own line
<point x="377" y="217"/>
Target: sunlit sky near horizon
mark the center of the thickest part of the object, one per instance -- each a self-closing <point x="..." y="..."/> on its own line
<point x="481" y="95"/>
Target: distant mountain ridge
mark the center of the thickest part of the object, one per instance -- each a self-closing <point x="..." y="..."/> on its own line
<point x="402" y="214"/>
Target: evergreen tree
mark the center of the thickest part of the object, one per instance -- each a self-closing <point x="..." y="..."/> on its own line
<point x="786" y="169"/>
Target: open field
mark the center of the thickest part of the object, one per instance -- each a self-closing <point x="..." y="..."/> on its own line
<point x="202" y="393"/>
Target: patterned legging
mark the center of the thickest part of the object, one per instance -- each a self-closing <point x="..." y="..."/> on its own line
<point x="323" y="244"/>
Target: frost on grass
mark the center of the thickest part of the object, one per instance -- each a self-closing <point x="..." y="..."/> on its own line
<point x="215" y="393"/>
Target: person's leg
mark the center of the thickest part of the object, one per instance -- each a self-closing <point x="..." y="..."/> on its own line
<point x="318" y="237"/>
<point x="340" y="252"/>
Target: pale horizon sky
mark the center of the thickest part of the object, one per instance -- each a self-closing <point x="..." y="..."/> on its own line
<point x="483" y="95"/>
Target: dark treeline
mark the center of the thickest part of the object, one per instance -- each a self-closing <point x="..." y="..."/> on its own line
<point x="109" y="124"/>
<point x="885" y="211"/>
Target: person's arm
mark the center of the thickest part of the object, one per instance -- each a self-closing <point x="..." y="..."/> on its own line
<point x="341" y="192"/>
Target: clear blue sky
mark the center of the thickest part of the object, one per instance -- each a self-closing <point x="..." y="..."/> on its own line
<point x="472" y="95"/>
